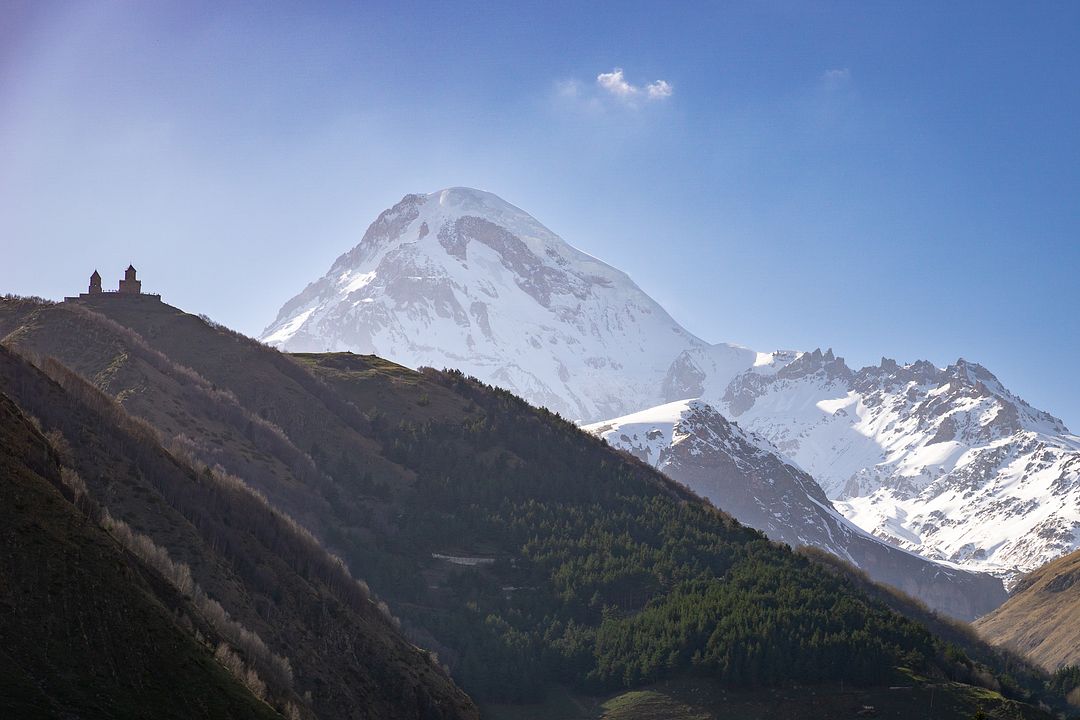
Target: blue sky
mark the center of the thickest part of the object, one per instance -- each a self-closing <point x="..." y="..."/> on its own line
<point x="886" y="179"/>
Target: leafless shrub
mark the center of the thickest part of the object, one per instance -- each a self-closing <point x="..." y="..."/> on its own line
<point x="32" y="419"/>
<point x="178" y="574"/>
<point x="60" y="444"/>
<point x="27" y="299"/>
<point x="76" y="486"/>
<point x="236" y="667"/>
<point x="385" y="610"/>
<point x="275" y="668"/>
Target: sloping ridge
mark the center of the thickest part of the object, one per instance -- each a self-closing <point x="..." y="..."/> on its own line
<point x="87" y="631"/>
<point x="267" y="573"/>
<point x="1041" y="620"/>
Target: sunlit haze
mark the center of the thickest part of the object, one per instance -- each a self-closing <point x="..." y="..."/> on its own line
<point x="895" y="180"/>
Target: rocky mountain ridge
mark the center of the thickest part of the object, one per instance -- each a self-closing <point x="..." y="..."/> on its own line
<point x="945" y="462"/>
<point x="693" y="444"/>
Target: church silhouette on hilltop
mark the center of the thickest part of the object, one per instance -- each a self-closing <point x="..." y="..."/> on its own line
<point x="130" y="286"/>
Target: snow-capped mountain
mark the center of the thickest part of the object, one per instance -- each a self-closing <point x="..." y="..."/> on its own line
<point x="460" y="278"/>
<point x="693" y="444"/>
<point x="942" y="461"/>
<point x="945" y="462"/>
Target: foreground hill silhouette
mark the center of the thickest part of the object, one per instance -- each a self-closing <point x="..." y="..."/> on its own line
<point x="528" y="554"/>
<point x="87" y="630"/>
<point x="255" y="579"/>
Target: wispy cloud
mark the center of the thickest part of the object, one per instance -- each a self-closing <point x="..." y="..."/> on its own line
<point x="831" y="102"/>
<point x="568" y="88"/>
<point x="836" y="77"/>
<point x="616" y="84"/>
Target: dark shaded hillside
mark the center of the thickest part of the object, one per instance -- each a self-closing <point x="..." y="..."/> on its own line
<point x="83" y="632"/>
<point x="269" y="576"/>
<point x="524" y="551"/>
<point x="960" y="638"/>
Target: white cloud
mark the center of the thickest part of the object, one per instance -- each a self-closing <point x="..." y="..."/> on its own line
<point x="659" y="90"/>
<point x="615" y="83"/>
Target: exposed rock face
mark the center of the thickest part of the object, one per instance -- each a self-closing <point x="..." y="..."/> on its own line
<point x="460" y="278"/>
<point x="693" y="444"/>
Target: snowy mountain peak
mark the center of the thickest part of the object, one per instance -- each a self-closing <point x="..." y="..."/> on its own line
<point x="460" y="201"/>
<point x="461" y="278"/>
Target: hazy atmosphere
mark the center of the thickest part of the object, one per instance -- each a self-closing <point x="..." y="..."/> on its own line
<point x="780" y="175"/>
<point x="452" y="360"/>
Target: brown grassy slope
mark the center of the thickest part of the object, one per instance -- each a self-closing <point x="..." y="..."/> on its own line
<point x="1042" y="618"/>
<point x="228" y="414"/>
<point x="266" y="573"/>
<point x="83" y="631"/>
<point x="176" y="401"/>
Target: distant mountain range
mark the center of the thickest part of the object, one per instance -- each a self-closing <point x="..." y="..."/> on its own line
<point x="944" y="462"/>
